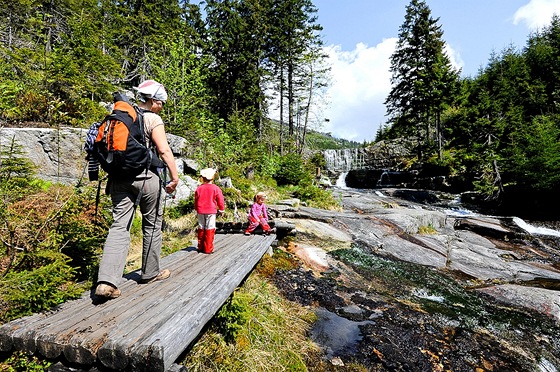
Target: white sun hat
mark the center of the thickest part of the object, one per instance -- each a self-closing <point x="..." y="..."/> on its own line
<point x="208" y="173"/>
<point x="152" y="89"/>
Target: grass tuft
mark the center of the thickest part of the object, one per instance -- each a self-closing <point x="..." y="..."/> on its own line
<point x="272" y="337"/>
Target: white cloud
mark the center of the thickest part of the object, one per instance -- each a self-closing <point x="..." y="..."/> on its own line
<point x="454" y="57"/>
<point x="360" y="84"/>
<point x="537" y="13"/>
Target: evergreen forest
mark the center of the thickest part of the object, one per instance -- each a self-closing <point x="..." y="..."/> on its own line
<point x="227" y="66"/>
<point x="497" y="131"/>
<point x="229" y="63"/>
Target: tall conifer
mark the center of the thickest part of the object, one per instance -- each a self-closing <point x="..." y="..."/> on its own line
<point x="423" y="79"/>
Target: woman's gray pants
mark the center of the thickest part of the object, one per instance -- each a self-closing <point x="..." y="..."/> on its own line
<point x="124" y="195"/>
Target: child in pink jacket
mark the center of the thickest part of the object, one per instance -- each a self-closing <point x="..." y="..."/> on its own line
<point x="208" y="201"/>
<point x="258" y="215"/>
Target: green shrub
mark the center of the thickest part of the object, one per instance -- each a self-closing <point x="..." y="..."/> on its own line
<point x="20" y="362"/>
<point x="292" y="171"/>
<point x="231" y="317"/>
<point x="184" y="206"/>
<point x="51" y="240"/>
<point x="31" y="291"/>
<point x="270" y="333"/>
<point x="316" y="197"/>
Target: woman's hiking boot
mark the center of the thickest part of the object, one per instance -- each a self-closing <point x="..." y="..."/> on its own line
<point x="164" y="274"/>
<point x="107" y="291"/>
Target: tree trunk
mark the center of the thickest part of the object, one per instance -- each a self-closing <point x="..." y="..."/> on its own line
<point x="290" y="99"/>
<point x="307" y="106"/>
<point x="438" y="134"/>
<point x="281" y="110"/>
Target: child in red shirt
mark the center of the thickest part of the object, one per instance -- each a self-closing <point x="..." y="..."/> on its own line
<point x="208" y="201"/>
<point x="258" y="215"/>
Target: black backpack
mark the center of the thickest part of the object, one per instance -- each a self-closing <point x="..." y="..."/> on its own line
<point x="118" y="143"/>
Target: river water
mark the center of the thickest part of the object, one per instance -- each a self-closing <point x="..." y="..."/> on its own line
<point x="456" y="209"/>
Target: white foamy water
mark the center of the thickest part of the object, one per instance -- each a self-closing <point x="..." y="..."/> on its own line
<point x="341" y="181"/>
<point x="546" y="366"/>
<point x="459" y="212"/>
<point x="534" y="229"/>
<point x="422" y="293"/>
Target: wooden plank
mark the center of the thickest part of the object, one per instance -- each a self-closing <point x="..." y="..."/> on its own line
<point x="139" y="307"/>
<point x="184" y="307"/>
<point x="14" y="335"/>
<point x="35" y="336"/>
<point x="11" y="330"/>
<point x="150" y="325"/>
<point x="171" y="343"/>
<point x="93" y="322"/>
<point x="142" y="318"/>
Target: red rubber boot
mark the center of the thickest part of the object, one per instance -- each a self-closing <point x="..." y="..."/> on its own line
<point x="201" y="234"/>
<point x="209" y="241"/>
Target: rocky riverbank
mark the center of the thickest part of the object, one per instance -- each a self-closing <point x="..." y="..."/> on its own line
<point x="405" y="285"/>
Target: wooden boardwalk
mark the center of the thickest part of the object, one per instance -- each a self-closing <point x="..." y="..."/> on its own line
<point x="150" y="325"/>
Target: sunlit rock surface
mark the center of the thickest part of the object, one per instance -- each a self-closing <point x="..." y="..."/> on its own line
<point x="437" y="288"/>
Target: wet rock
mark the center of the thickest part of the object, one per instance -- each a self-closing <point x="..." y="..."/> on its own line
<point x="312" y="228"/>
<point x="314" y="258"/>
<point x="294" y="202"/>
<point x="542" y="300"/>
<point x="485" y="226"/>
<point x="433" y="294"/>
<point x="338" y="336"/>
<point x="480" y="248"/>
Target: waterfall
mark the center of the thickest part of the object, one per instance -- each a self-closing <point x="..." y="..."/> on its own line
<point x="384" y="179"/>
<point x="344" y="160"/>
<point x="534" y="229"/>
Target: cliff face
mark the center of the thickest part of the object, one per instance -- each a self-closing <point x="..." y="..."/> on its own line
<point x="59" y="154"/>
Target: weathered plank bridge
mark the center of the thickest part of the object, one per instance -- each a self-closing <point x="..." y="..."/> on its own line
<point x="150" y="325"/>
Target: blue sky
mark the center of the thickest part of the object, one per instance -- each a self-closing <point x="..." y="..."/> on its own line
<point x="360" y="36"/>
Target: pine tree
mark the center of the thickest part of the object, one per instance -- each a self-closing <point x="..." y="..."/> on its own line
<point x="423" y="80"/>
<point x="138" y="30"/>
<point x="236" y="33"/>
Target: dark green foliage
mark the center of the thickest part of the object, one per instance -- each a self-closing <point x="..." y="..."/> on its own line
<point x="423" y="81"/>
<point x="231" y="318"/>
<point x="292" y="171"/>
<point x="505" y="125"/>
<point x="238" y="50"/>
<point x="233" y="149"/>
<point x="535" y="157"/>
<point x="16" y="171"/>
<point x="31" y="291"/>
<point x="497" y="131"/>
<point x="325" y="141"/>
<point x="315" y="196"/>
<point x="50" y="239"/>
<point x="185" y="206"/>
<point x="50" y="242"/>
<point x="318" y="160"/>
<point x="21" y="362"/>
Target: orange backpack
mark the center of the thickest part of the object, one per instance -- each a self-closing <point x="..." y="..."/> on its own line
<point x="118" y="142"/>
